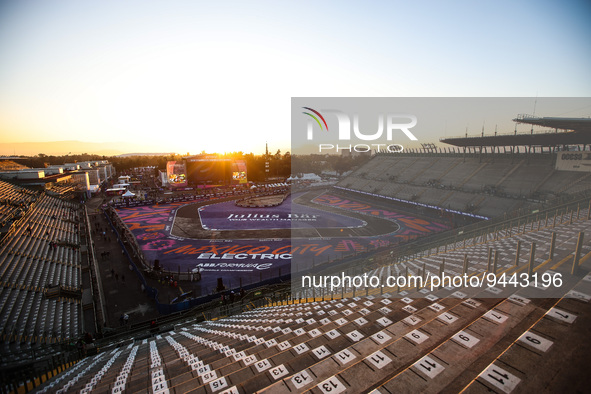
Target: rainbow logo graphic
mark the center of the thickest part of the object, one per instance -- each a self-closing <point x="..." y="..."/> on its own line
<point x="315" y="118"/>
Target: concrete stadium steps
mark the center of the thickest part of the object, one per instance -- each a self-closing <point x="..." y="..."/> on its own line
<point x="579" y="184"/>
<point x="443" y="340"/>
<point x="444" y="166"/>
<point x="12" y="200"/>
<point x="487" y="174"/>
<point x="453" y="182"/>
<point x="416" y="169"/>
<point x="535" y="360"/>
<point x="492" y="205"/>
<point x="525" y="179"/>
<point x="472" y="350"/>
<point x="27" y="264"/>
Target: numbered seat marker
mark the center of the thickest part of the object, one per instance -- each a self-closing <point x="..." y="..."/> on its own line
<point x="471" y="303"/>
<point x="263" y="365"/>
<point x="332" y="385"/>
<point x="231" y="390"/>
<point x="321" y="352"/>
<point x="332" y="334"/>
<point x="301" y="379"/>
<point x="428" y="366"/>
<point x="344" y="356"/>
<point x="536" y="341"/>
<point x="409" y="309"/>
<point x="447" y="318"/>
<point x="495" y="317"/>
<point x="209" y="376"/>
<point x="561" y="315"/>
<point x="412" y="320"/>
<point x="218" y="384"/>
<point x="500" y="378"/>
<point x="417" y="336"/>
<point x="518" y="300"/>
<point x="381" y="337"/>
<point x="301" y="348"/>
<point x="465" y="339"/>
<point x="278" y="372"/>
<point x="379" y="359"/>
<point x="385" y="310"/>
<point x="355" y="336"/>
<point x="249" y="360"/>
<point x="314" y="333"/>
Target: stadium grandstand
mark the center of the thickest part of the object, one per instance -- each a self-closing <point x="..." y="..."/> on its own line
<point x="509" y="219"/>
<point x="40" y="271"/>
<point x="486" y="185"/>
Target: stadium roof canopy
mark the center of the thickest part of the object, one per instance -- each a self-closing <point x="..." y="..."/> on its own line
<point x="582" y="125"/>
<point x="578" y="133"/>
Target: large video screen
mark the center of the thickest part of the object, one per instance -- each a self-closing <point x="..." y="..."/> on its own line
<point x="239" y="172"/>
<point x="207" y="171"/>
<point x="238" y="175"/>
<point x="215" y="170"/>
<point x="176" y="173"/>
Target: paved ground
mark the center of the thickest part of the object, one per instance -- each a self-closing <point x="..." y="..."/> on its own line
<point x="121" y="286"/>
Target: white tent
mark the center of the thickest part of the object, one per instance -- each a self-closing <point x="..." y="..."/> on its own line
<point x="310" y="177"/>
<point x="128" y="194"/>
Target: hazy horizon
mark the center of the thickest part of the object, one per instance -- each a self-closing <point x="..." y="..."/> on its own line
<point x="73" y="147"/>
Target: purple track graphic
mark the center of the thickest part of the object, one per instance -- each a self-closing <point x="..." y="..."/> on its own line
<point x="250" y="260"/>
<point x="228" y="216"/>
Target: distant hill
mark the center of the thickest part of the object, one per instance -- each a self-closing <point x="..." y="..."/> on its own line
<point x="59" y="148"/>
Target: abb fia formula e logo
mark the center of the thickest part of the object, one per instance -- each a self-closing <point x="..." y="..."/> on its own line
<point x="392" y="123"/>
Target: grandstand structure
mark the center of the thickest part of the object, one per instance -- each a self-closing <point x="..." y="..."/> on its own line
<point x="486" y="176"/>
<point x="483" y="185"/>
<point x="40" y="272"/>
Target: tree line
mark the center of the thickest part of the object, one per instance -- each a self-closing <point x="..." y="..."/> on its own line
<point x="279" y="165"/>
